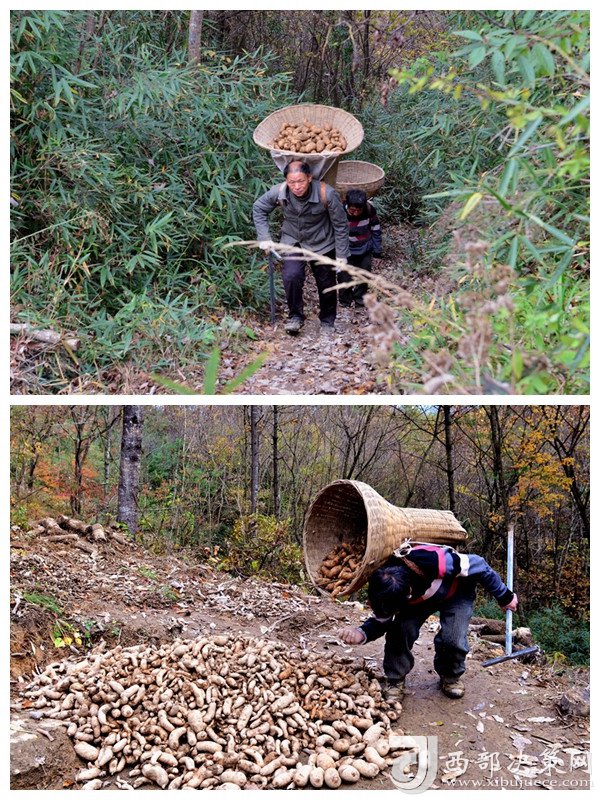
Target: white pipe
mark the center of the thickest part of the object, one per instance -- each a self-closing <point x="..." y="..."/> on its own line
<point x="509" y="582"/>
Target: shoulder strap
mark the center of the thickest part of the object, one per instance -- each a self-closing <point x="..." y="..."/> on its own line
<point x="413" y="567"/>
<point x="324" y="195"/>
<point x="280" y="201"/>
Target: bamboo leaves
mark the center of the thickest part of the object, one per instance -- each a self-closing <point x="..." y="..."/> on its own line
<point x="143" y="164"/>
<point x="531" y="204"/>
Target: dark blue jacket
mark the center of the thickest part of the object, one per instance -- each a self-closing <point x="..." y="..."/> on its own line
<point x="432" y="573"/>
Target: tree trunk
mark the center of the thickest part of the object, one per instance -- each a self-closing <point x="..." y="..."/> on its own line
<point x="33" y="462"/>
<point x="129" y="472"/>
<point x="275" y="463"/>
<point x="82" y="446"/>
<point x="449" y="458"/>
<point x="366" y="48"/>
<point x="195" y="36"/>
<point x="88" y="32"/>
<point x="498" y="464"/>
<point x="106" y="470"/>
<point x="254" y="475"/>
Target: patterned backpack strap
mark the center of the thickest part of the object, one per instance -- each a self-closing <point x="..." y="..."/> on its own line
<point x="402" y="554"/>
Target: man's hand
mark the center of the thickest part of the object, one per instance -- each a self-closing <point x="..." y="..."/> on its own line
<point x="266" y="245"/>
<point x="512" y="606"/>
<point x="353" y="636"/>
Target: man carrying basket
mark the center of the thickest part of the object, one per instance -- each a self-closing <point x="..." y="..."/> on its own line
<point x="409" y="588"/>
<point x="313" y="218"/>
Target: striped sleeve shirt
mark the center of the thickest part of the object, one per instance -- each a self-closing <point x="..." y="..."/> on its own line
<point x="439" y="569"/>
<point x="365" y="232"/>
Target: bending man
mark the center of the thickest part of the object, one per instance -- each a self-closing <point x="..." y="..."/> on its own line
<point x="409" y="588"/>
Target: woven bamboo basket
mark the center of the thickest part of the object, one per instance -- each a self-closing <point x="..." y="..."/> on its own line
<point x="352" y="511"/>
<point x="359" y="175"/>
<point x="350" y="127"/>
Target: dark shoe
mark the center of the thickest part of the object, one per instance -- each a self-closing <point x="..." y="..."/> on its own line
<point x="393" y="691"/>
<point x="293" y="325"/>
<point x="327" y="329"/>
<point x="452" y="687"/>
<point x="359" y="302"/>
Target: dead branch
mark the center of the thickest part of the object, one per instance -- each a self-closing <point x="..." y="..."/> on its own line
<point x="45" y="336"/>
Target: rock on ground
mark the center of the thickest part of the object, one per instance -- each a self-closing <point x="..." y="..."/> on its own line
<point x="41" y="754"/>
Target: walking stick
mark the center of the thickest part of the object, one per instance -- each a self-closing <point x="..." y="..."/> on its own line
<point x="272" y="257"/>
<point x="510" y="547"/>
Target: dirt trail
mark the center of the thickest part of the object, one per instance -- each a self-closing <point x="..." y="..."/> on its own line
<point x="311" y="362"/>
<point x="127" y="596"/>
<point x="346" y="363"/>
<point x="505" y="733"/>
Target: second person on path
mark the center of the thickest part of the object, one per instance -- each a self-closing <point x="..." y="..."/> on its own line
<point x="365" y="244"/>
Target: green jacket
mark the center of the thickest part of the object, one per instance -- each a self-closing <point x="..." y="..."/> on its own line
<point x="305" y="222"/>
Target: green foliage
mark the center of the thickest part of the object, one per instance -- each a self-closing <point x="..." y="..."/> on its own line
<point x="169" y="593"/>
<point x="43" y="601"/>
<point x="261" y="545"/>
<point x="211" y="375"/>
<point x="484" y="607"/>
<point x="129" y="176"/>
<point x="64" y="634"/>
<point x="147" y="572"/>
<point x="423" y="143"/>
<point x="520" y="89"/>
<point x="20" y="516"/>
<point x="556" y="632"/>
<point x="161" y="463"/>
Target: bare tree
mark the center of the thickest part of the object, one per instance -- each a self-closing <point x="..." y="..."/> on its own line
<point x="254" y="459"/>
<point x="129" y="473"/>
<point x="110" y="415"/>
<point x="497" y="449"/>
<point x="569" y="425"/>
<point x="448" y="443"/>
<point x="85" y="419"/>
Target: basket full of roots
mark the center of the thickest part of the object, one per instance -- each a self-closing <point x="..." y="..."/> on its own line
<point x="314" y="133"/>
<point x="350" y="531"/>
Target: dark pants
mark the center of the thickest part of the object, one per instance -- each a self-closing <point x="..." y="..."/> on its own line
<point x="450" y="642"/>
<point x="364" y="262"/>
<point x="294" y="274"/>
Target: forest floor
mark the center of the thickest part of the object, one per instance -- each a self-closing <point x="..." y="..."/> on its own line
<point x="506" y="732"/>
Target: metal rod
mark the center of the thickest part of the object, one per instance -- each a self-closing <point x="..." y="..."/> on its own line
<point x="509" y="583"/>
<point x="517" y="654"/>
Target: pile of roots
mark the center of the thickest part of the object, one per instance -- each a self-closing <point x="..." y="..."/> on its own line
<point x="219" y="712"/>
